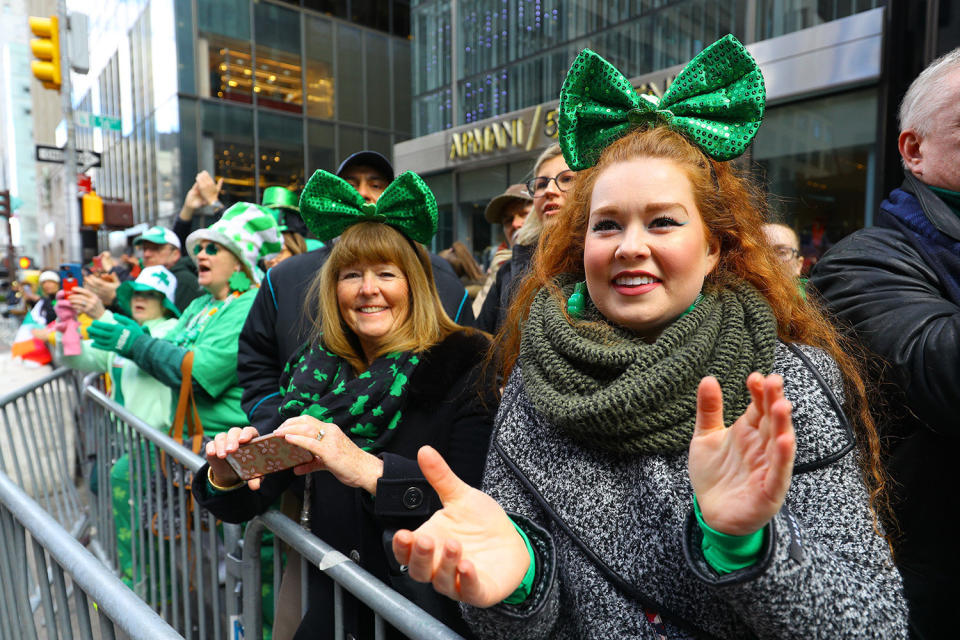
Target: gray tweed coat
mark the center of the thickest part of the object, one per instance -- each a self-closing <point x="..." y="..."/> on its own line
<point x="615" y="539"/>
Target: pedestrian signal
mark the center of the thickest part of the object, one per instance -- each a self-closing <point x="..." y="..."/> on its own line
<point x="46" y="50"/>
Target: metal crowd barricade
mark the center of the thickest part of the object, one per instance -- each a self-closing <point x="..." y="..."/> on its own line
<point x="176" y="563"/>
<point x="79" y="597"/>
<point x="38" y="446"/>
<point x="386" y="604"/>
<point x="172" y="553"/>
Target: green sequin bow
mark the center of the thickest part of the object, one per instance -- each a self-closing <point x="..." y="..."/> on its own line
<point x="329" y="205"/>
<point x="717" y="101"/>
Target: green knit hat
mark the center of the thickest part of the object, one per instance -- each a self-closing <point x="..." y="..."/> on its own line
<point x="247" y="230"/>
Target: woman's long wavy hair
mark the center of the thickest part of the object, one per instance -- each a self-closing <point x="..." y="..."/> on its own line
<point x="426" y="324"/>
<point x="733" y="212"/>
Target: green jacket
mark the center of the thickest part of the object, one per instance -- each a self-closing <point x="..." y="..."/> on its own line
<point x="145" y="396"/>
<point x="214" y="345"/>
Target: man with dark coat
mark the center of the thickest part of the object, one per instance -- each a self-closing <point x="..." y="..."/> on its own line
<point x="897" y="285"/>
<point x="279" y="323"/>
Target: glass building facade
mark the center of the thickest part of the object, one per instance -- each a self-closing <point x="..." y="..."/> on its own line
<point x="479" y="65"/>
<point x="256" y="93"/>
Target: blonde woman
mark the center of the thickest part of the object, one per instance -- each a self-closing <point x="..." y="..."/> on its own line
<point x="552" y="180"/>
<point x="385" y="372"/>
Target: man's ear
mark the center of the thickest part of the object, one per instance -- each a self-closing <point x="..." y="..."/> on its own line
<point x="909" y="145"/>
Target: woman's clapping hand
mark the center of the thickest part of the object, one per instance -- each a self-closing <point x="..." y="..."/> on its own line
<point x="741" y="475"/>
<point x="469" y="550"/>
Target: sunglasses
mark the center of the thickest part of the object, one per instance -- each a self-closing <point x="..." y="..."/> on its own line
<point x="211" y="249"/>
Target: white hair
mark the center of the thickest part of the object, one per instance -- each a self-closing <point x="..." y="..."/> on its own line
<point x="927" y="94"/>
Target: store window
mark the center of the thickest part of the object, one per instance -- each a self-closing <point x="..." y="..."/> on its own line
<point x="371" y="13"/>
<point x="442" y="187"/>
<point x="336" y="8"/>
<point x="321" y="147"/>
<point x="401" y="85"/>
<point x="280" y="151"/>
<point x="475" y="190"/>
<point x="818" y="162"/>
<point x="351" y="141"/>
<point x="350" y="105"/>
<point x="321" y="87"/>
<point x="378" y="82"/>
<point x="277" y="79"/>
<point x="379" y="142"/>
<point x="227" y="146"/>
<point x="778" y="17"/>
<point x="223" y="56"/>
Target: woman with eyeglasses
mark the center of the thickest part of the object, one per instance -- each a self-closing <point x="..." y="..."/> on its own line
<point x="226" y="255"/>
<point x="551" y="181"/>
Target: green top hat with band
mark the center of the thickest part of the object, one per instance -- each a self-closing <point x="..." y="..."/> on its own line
<point x="280" y="198"/>
<point x="155" y="279"/>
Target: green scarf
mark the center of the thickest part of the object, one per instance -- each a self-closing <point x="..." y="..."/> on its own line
<point x="609" y="390"/>
<point x="318" y="383"/>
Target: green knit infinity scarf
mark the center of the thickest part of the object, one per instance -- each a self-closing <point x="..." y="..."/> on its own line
<point x="610" y="390"/>
<point x="318" y="383"/>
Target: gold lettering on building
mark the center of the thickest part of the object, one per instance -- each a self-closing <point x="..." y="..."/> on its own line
<point x="496" y="136"/>
<point x="550" y="125"/>
<point x="533" y="127"/>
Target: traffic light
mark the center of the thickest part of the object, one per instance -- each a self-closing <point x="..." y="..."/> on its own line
<point x="5" y="209"/>
<point x="92" y="209"/>
<point x="46" y="48"/>
<point x="26" y="263"/>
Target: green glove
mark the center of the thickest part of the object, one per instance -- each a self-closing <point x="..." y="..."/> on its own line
<point x="118" y="337"/>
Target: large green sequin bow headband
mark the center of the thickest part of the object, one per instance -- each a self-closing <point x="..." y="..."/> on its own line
<point x="716" y="101"/>
<point x="329" y="205"/>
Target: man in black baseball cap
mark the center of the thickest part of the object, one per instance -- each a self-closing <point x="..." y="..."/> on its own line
<point x="368" y="172"/>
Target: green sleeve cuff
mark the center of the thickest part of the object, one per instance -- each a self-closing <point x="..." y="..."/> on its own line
<point x="726" y="553"/>
<point x="160" y="358"/>
<point x="522" y="592"/>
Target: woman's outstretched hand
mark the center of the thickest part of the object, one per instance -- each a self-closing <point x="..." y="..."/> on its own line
<point x="741" y="475"/>
<point x="469" y="550"/>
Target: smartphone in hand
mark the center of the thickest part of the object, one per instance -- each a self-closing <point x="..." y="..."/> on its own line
<point x="71" y="275"/>
<point x="266" y="454"/>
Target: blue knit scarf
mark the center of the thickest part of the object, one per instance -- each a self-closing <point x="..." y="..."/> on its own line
<point x="902" y="211"/>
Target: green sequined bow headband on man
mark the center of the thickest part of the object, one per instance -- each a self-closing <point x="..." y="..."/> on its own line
<point x="716" y="102"/>
<point x="329" y="204"/>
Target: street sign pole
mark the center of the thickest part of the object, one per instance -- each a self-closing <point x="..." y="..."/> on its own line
<point x="74" y="246"/>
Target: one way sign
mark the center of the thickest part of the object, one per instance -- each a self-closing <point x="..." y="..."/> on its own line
<point x="85" y="159"/>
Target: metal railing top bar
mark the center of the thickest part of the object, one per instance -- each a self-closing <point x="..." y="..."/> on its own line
<point x="407" y="617"/>
<point x="180" y="453"/>
<point x="19" y="392"/>
<point x="112" y="597"/>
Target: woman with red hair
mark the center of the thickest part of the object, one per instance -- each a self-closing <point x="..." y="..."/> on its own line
<point x="672" y="457"/>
